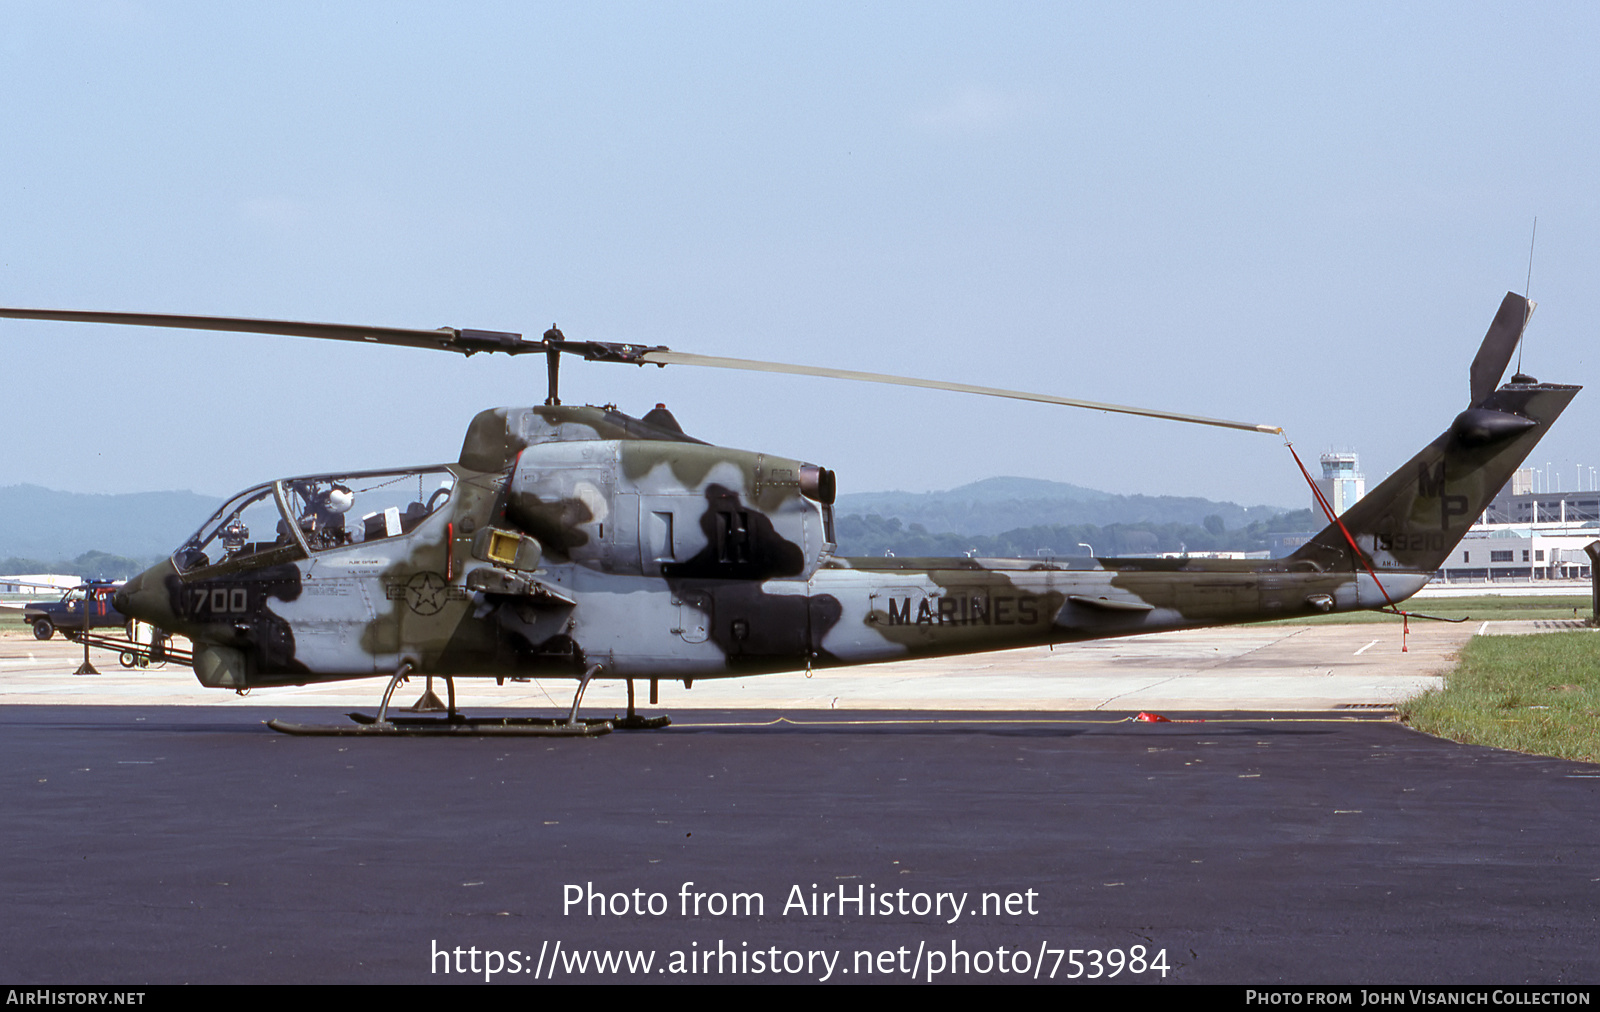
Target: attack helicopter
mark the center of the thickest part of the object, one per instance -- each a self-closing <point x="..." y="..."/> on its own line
<point x="579" y="542"/>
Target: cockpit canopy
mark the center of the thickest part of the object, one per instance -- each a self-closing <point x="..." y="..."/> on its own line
<point x="288" y="519"/>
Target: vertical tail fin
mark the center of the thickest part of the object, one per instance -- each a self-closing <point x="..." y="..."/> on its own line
<point x="1415" y="518"/>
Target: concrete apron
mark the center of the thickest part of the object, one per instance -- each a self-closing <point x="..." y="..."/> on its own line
<point x="1271" y="667"/>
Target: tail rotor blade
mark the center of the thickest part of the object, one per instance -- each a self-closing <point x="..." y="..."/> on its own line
<point x="1499" y="344"/>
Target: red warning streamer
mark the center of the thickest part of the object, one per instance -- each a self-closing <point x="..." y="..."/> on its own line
<point x="1405" y="622"/>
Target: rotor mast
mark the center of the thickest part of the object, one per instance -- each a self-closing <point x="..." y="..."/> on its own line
<point x="552" y="351"/>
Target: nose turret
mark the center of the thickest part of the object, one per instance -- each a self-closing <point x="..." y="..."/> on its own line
<point x="147" y="598"/>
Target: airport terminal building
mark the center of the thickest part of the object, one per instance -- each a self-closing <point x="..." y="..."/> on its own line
<point x="1528" y="535"/>
<point x="1520" y="552"/>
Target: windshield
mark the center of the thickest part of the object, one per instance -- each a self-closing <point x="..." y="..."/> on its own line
<point x="249" y="524"/>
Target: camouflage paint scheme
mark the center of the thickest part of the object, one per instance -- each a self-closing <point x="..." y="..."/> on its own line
<point x="571" y="537"/>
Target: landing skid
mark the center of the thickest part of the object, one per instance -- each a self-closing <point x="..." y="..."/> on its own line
<point x="455" y="723"/>
<point x="425" y="727"/>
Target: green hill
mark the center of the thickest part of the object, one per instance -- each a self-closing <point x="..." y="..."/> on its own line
<point x="996" y="505"/>
<point x="40" y="525"/>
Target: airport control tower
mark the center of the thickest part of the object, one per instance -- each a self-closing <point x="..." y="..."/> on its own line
<point x="1342" y="482"/>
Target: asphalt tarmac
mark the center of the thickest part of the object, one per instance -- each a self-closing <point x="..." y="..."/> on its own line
<point x="172" y="843"/>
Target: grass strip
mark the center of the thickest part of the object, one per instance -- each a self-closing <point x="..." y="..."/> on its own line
<point x="1477" y="609"/>
<point x="1535" y="694"/>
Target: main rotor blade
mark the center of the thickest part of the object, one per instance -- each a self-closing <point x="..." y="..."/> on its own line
<point x="466" y="342"/>
<point x="1498" y="345"/>
<point x="750" y="365"/>
<point x="470" y="342"/>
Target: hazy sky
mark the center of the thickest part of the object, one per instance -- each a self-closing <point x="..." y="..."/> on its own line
<point x="1288" y="213"/>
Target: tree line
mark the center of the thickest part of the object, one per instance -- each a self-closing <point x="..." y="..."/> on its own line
<point x="872" y="534"/>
